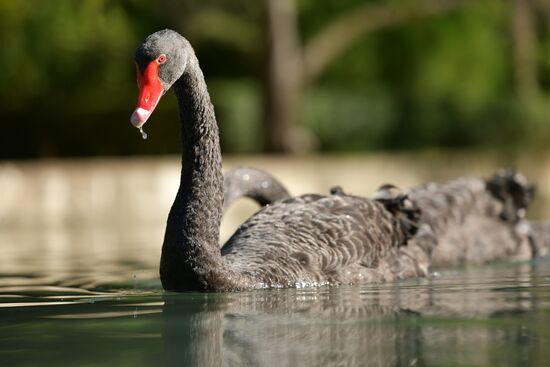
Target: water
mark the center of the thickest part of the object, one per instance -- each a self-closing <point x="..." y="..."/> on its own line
<point x="91" y="296"/>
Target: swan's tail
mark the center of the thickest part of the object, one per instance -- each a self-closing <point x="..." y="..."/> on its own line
<point x="539" y="236"/>
<point x="253" y="183"/>
<point x="513" y="190"/>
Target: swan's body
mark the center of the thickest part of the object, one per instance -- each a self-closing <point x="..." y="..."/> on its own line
<point x="313" y="239"/>
<point x="466" y="220"/>
<point x="302" y="241"/>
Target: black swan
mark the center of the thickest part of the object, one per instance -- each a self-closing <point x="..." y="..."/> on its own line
<point x="465" y="233"/>
<point x="472" y="221"/>
<point x="476" y="221"/>
<point x="253" y="183"/>
<point x="303" y="241"/>
<point x="308" y="240"/>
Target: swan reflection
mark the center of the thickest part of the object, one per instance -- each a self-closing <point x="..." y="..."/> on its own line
<point x="407" y="324"/>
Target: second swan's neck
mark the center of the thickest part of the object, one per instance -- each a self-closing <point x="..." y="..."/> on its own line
<point x="191" y="257"/>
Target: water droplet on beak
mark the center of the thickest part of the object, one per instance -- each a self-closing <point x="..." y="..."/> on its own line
<point x="143" y="133"/>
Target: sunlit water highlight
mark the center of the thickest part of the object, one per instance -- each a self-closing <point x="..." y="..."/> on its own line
<point x="101" y="304"/>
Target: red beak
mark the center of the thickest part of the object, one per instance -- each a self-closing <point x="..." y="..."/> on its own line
<point x="150" y="91"/>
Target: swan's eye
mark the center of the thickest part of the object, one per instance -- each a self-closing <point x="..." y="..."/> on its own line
<point x="161" y="59"/>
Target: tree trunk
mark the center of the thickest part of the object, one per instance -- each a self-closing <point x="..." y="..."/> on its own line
<point x="524" y="48"/>
<point x="291" y="68"/>
<point x="282" y="87"/>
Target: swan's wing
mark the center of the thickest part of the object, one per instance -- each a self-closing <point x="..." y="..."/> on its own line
<point x="315" y="239"/>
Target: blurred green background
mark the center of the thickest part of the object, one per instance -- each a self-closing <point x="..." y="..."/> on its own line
<point x="361" y="74"/>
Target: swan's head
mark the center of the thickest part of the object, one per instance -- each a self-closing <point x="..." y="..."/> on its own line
<point x="160" y="61"/>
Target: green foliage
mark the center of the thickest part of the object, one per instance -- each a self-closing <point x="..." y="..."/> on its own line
<point x="239" y="114"/>
<point x="54" y="47"/>
<point x="369" y="117"/>
<point x="67" y="78"/>
<point x="449" y="82"/>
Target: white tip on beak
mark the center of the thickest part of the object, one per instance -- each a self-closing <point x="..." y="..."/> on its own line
<point x="139" y="117"/>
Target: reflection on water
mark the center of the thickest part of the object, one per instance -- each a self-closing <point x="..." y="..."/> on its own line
<point x="482" y="317"/>
<point x="110" y="310"/>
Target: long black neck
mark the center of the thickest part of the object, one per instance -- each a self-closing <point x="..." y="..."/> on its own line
<point x="191" y="256"/>
<point x="201" y="183"/>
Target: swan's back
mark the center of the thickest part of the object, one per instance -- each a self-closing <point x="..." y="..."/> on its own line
<point x="313" y="239"/>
